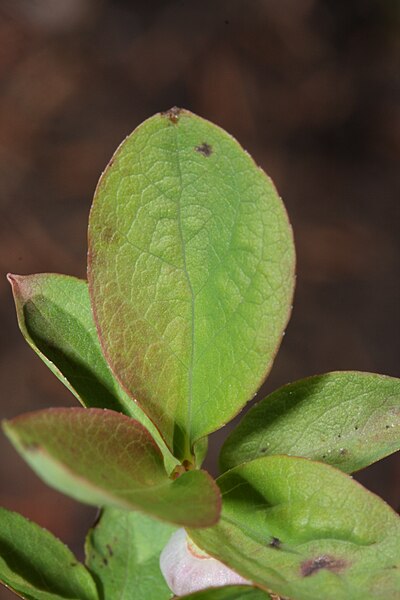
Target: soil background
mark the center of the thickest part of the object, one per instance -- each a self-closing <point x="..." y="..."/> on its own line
<point x="311" y="88"/>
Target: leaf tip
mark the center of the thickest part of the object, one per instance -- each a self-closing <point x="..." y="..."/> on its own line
<point x="19" y="285"/>
<point x="13" y="280"/>
<point x="172" y="114"/>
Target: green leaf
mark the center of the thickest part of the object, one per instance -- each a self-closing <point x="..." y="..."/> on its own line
<point x="55" y="318"/>
<point x="190" y="272"/>
<point x="102" y="457"/>
<point x="346" y="419"/>
<point x="200" y="451"/>
<point x="230" y="592"/>
<point x="123" y="552"/>
<point x="37" y="566"/>
<point x="305" y="530"/>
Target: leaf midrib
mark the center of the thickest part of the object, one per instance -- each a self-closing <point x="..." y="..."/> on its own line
<point x="192" y="301"/>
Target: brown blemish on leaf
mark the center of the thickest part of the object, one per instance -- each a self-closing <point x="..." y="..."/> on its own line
<point x="309" y="567"/>
<point x="172" y="114"/>
<point x="204" y="149"/>
<point x="109" y="550"/>
<point x="108" y="235"/>
<point x="275" y="543"/>
<point x="343" y="451"/>
<point x="105" y="561"/>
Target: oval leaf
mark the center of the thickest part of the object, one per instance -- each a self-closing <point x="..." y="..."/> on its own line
<point x="305" y="530"/>
<point x="191" y="263"/>
<point x="101" y="457"/>
<point x="232" y="592"/>
<point x="347" y="419"/>
<point x="123" y="551"/>
<point x="36" y="565"/>
<point x="55" y="318"/>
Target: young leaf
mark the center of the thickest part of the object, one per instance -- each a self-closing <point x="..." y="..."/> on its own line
<point x="346" y="419"/>
<point x="37" y="566"/>
<point x="123" y="551"/>
<point x="232" y="592"/>
<point x="190" y="272"/>
<point x="101" y="457"/>
<point x="56" y="320"/>
<point x="305" y="530"/>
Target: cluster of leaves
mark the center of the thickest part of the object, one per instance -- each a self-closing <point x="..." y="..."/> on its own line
<point x="190" y="283"/>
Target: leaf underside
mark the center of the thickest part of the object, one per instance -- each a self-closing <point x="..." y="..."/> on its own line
<point x="190" y="272"/>
<point x="37" y="566"/>
<point x="123" y="552"/>
<point x="234" y="592"/>
<point x="103" y="458"/>
<point x="56" y="320"/>
<point x="305" y="530"/>
<point x="347" y="419"/>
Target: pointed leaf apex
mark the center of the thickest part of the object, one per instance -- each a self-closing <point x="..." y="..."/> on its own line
<point x="19" y="284"/>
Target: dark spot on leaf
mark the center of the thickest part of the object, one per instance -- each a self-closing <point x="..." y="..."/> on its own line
<point x="339" y="435"/>
<point x="356" y="427"/>
<point x="387" y="427"/>
<point x="263" y="449"/>
<point x="275" y="543"/>
<point x="73" y="564"/>
<point x="204" y="149"/>
<point x="172" y="114"/>
<point x="309" y="567"/>
<point x="343" y="451"/>
<point x="323" y="456"/>
<point x="105" y="561"/>
<point x="109" y="549"/>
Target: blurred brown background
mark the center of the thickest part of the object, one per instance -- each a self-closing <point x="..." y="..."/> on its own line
<point x="311" y="88"/>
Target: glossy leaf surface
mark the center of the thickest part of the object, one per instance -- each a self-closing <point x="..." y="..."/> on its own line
<point x="123" y="551"/>
<point x="234" y="592"/>
<point x="191" y="265"/>
<point x="37" y="566"/>
<point x="101" y="457"/>
<point x="56" y="320"/>
<point x="346" y="419"/>
<point x="305" y="530"/>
